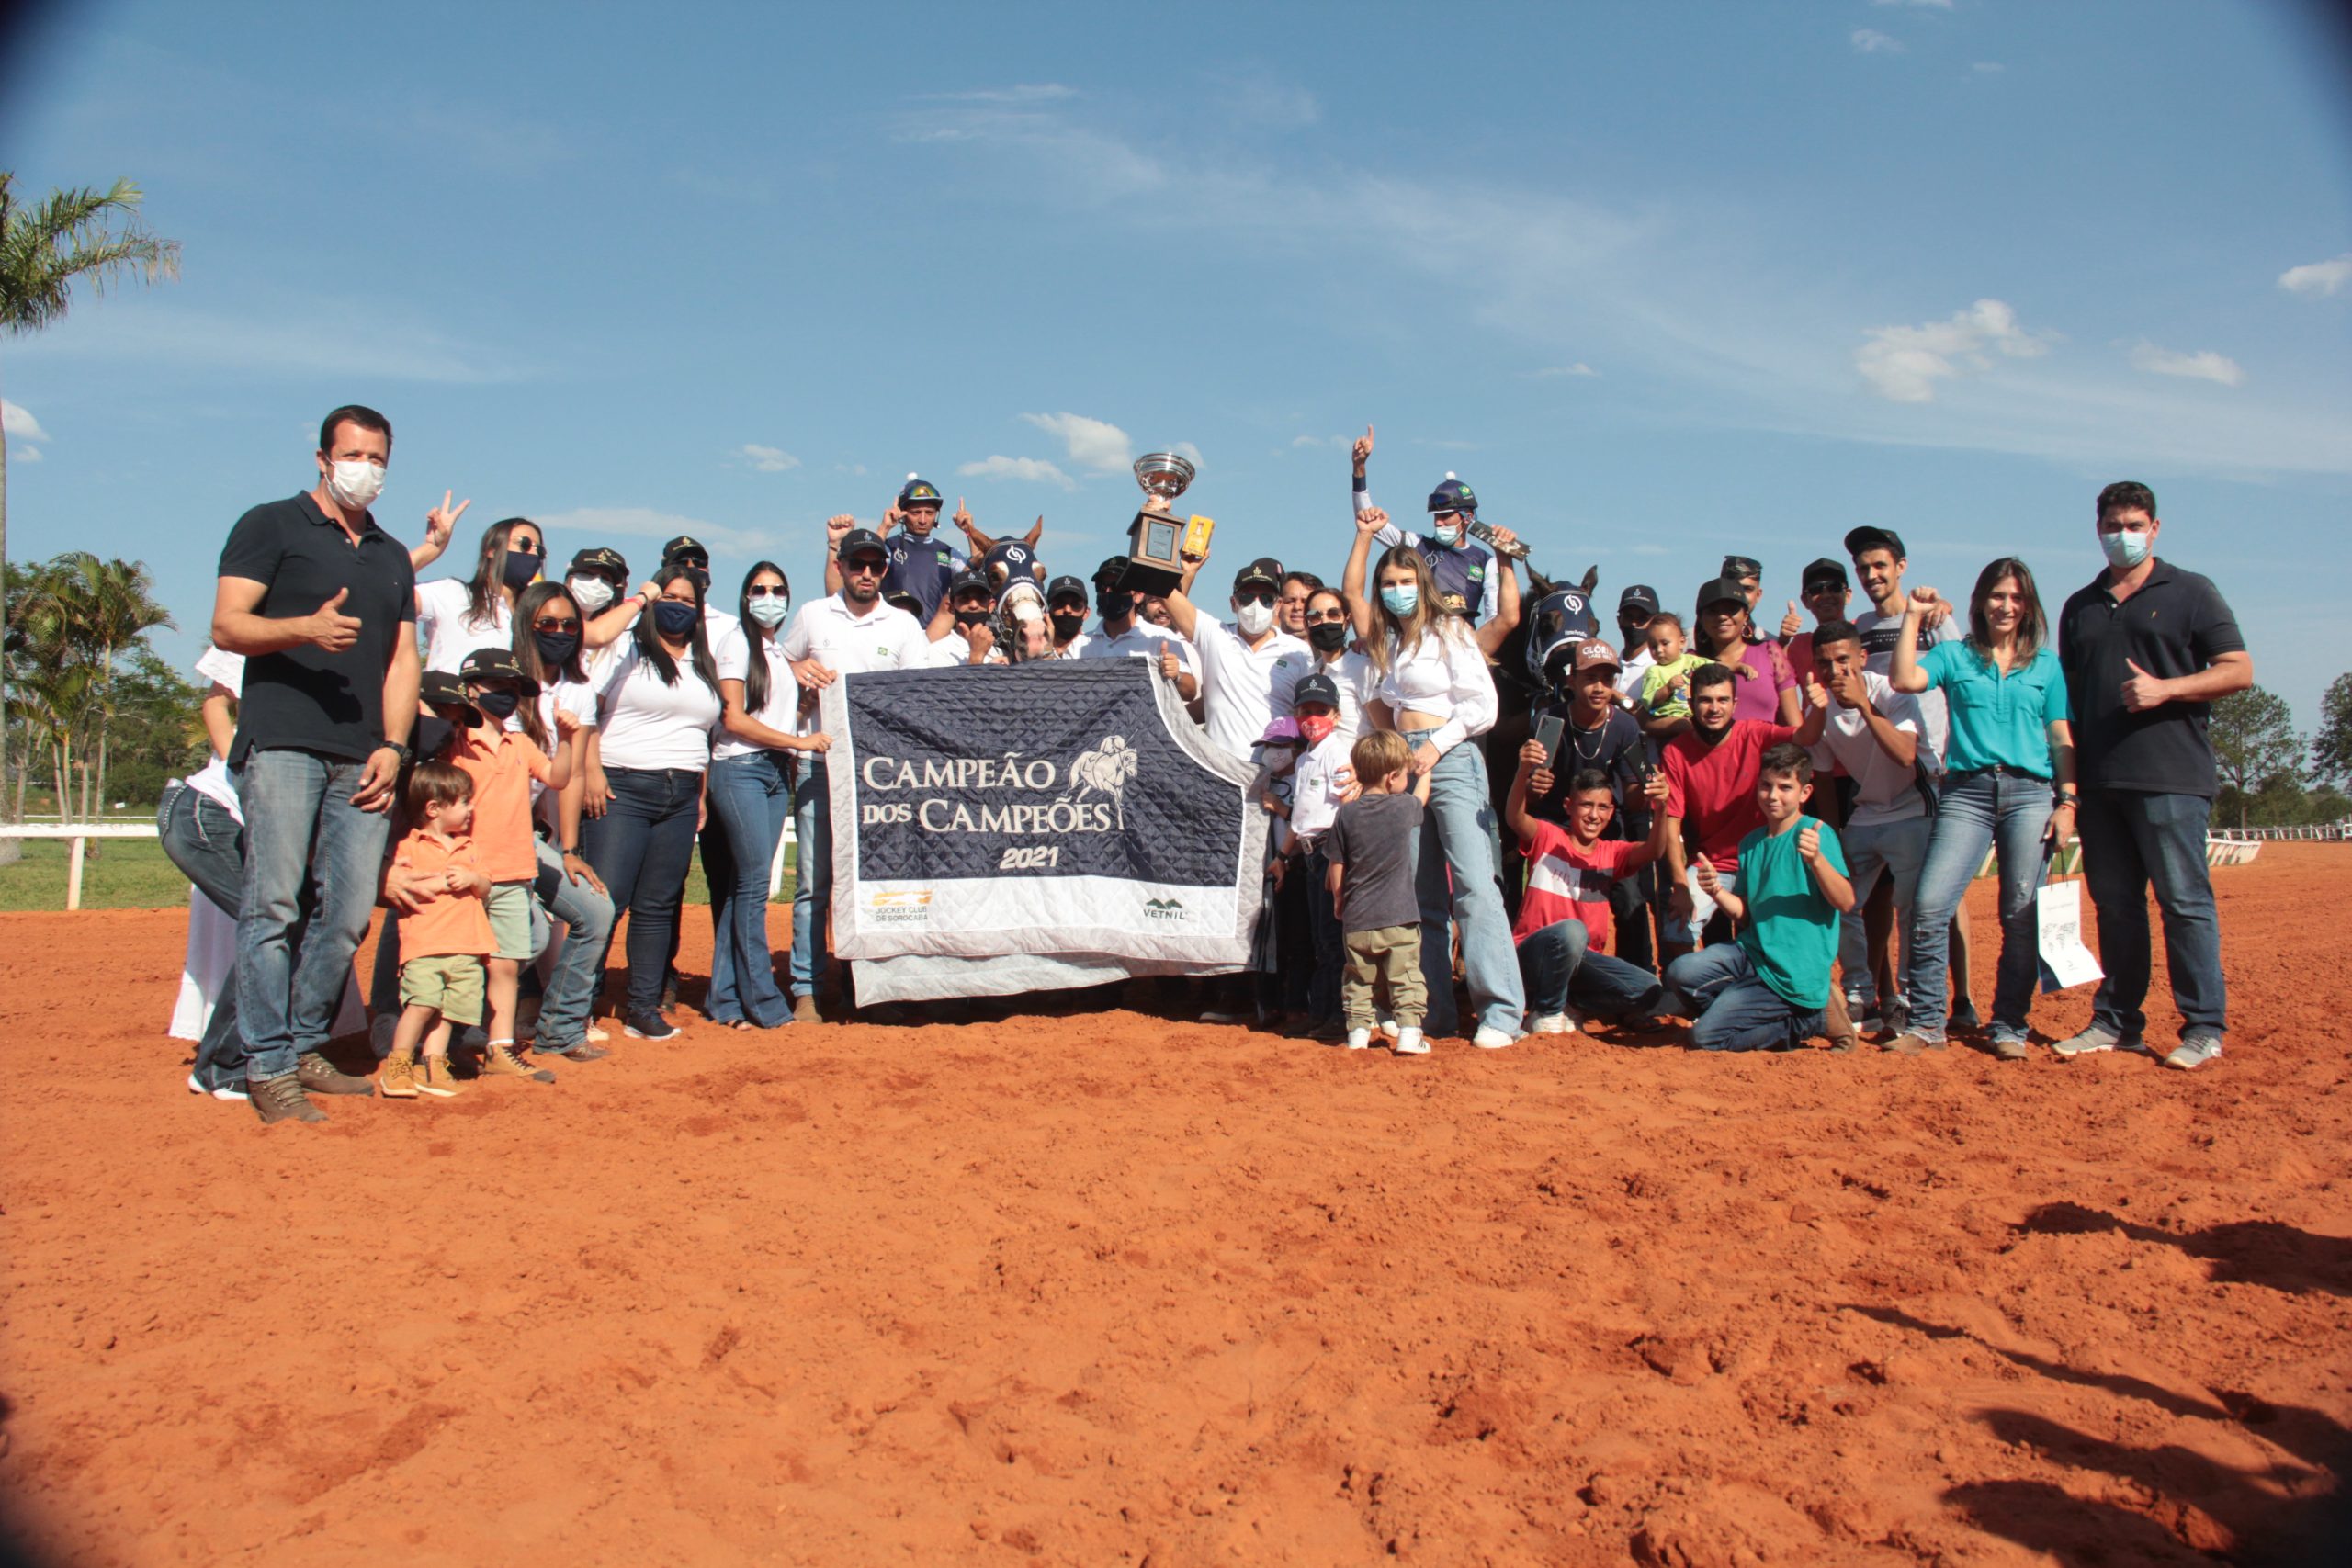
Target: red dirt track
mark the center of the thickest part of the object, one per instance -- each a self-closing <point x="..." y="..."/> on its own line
<point x="1103" y="1287"/>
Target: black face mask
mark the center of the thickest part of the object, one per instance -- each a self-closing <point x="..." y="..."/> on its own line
<point x="1113" y="604"/>
<point x="1068" y="627"/>
<point x="499" y="702"/>
<point x="1327" y="637"/>
<point x="556" y="649"/>
<point x="967" y="619"/>
<point x="521" y="566"/>
<point x="674" y="617"/>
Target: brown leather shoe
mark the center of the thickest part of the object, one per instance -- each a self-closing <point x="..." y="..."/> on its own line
<point x="1910" y="1045"/>
<point x="281" y="1100"/>
<point x="499" y="1061"/>
<point x="321" y="1076"/>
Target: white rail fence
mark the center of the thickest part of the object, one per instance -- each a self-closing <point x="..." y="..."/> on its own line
<point x="79" y="834"/>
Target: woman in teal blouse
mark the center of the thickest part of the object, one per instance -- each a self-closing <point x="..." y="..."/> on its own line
<point x="2008" y="785"/>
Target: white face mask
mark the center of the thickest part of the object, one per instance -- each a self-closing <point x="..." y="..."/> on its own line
<point x="356" y="483"/>
<point x="2125" y="549"/>
<point x="1254" y="618"/>
<point x="770" y="612"/>
<point x="591" y="594"/>
<point x="1448" y="534"/>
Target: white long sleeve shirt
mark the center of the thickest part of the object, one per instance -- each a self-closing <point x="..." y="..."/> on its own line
<point x="1445" y="676"/>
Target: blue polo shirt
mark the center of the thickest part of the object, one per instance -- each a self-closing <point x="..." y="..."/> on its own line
<point x="1996" y="720"/>
<point x="1791" y="931"/>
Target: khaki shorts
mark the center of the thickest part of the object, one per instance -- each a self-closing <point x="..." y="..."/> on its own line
<point x="450" y="984"/>
<point x="509" y="904"/>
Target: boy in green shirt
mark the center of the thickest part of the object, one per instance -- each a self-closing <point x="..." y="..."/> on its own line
<point x="1769" y="988"/>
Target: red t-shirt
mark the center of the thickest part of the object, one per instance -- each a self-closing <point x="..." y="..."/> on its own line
<point x="1712" y="788"/>
<point x="1567" y="881"/>
<point x="1800" y="652"/>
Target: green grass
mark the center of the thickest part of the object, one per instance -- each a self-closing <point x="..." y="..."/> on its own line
<point x="133" y="873"/>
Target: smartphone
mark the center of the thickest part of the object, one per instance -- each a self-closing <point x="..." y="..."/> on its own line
<point x="1548" y="730"/>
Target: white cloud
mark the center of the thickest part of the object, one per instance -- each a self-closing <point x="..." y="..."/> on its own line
<point x="25" y="455"/>
<point x="1903" y="364"/>
<point x="2318" y="279"/>
<point x="1032" y="469"/>
<point x="1024" y="93"/>
<point x="1553" y="372"/>
<point x="2206" y="366"/>
<point x="18" y="420"/>
<point x="1090" y="443"/>
<point x="1870" y="41"/>
<point x="584" y="526"/>
<point x="769" y="459"/>
<point x="1187" y="451"/>
<point x="345" y="342"/>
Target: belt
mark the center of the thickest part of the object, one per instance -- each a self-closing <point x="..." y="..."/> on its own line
<point x="2002" y="770"/>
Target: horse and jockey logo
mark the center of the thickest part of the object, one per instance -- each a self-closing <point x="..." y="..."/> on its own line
<point x="1105" y="771"/>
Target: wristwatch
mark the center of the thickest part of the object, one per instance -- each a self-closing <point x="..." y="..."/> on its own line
<point x="2065" y="797"/>
<point x="406" y="756"/>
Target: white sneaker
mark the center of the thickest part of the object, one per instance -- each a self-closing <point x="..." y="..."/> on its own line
<point x="234" y="1091"/>
<point x="1410" y="1043"/>
<point x="1489" y="1038"/>
<point x="1359" y="1038"/>
<point x="1227" y="1015"/>
<point x="1552" y="1023"/>
<point x="1386" y="1026"/>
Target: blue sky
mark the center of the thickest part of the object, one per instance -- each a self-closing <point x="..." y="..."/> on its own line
<point x="1659" y="280"/>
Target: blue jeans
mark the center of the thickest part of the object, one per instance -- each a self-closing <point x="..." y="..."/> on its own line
<point x="1455" y="873"/>
<point x="1976" y="811"/>
<point x="579" y="966"/>
<point x="1731" y="1008"/>
<point x="750" y="795"/>
<point x="1895" y="851"/>
<point x="2133" y="839"/>
<point x="812" y="891"/>
<point x="642" y="846"/>
<point x="208" y="846"/>
<point x="301" y="826"/>
<point x="1558" y="969"/>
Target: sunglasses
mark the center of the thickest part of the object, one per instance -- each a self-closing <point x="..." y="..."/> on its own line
<point x="1327" y="616"/>
<point x="1253" y="596"/>
<point x="864" y="567"/>
<point x="567" y="625"/>
<point x="768" y="591"/>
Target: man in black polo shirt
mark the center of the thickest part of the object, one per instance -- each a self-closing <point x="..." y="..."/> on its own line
<point x="322" y="604"/>
<point x="2147" y="648"/>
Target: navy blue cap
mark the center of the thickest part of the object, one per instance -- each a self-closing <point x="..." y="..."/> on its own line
<point x="858" y="539"/>
<point x="1641" y="595"/>
<point x="1868" y="538"/>
<point x="1066" y="584"/>
<point x="1315" y="687"/>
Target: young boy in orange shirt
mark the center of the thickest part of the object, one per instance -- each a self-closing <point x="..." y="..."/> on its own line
<point x="503" y="763"/>
<point x="443" y="939"/>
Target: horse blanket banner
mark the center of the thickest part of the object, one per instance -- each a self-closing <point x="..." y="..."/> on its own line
<point x="1001" y="828"/>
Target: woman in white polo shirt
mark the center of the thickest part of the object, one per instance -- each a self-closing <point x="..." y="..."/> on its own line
<point x="751" y="796"/>
<point x="657" y="702"/>
<point x="456" y="615"/>
<point x="1433" y="688"/>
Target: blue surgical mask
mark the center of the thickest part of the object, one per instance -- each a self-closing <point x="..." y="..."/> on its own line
<point x="770" y="612"/>
<point x="2125" y="549"/>
<point x="674" y="617"/>
<point x="1400" y="598"/>
<point x="1447" y="533"/>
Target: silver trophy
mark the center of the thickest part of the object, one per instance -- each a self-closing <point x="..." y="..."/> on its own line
<point x="1155" y="539"/>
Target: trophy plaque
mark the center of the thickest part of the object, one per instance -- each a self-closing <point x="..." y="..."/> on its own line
<point x="1155" y="539"/>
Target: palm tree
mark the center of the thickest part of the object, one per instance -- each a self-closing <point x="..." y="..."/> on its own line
<point x="101" y="608"/>
<point x="45" y="247"/>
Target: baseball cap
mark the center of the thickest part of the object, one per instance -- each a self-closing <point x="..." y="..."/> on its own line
<point x="1265" y="569"/>
<point x="599" y="562"/>
<point x="490" y="664"/>
<point x="917" y="492"/>
<point x="1825" y="571"/>
<point x="1316" y="687"/>
<point x="858" y="540"/>
<point x="438" y="688"/>
<point x="1638" y="596"/>
<point x="1742" y="566"/>
<point x="1113" y="570"/>
<point x="1066" y="585"/>
<point x="683" y="544"/>
<point x="1279" y="729"/>
<point x="1594" y="654"/>
<point x="1868" y="538"/>
<point x="970" y="580"/>
<point x="1718" y="590"/>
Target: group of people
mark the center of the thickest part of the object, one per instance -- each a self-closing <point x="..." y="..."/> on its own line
<point x="1767" y="835"/>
